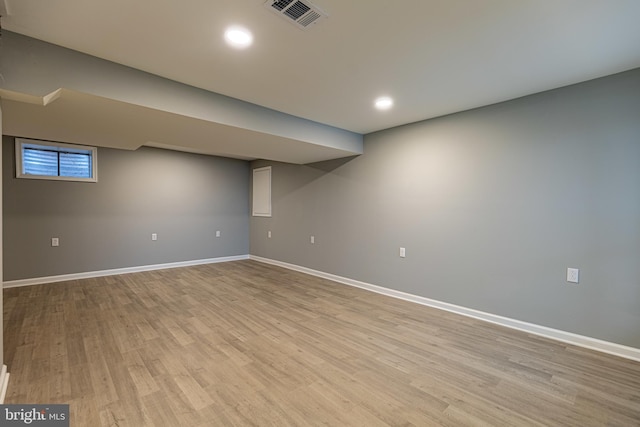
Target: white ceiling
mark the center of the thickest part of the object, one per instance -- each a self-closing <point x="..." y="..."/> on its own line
<point x="79" y="118"/>
<point x="434" y="57"/>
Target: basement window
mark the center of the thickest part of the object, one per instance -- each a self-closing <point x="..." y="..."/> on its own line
<point x="55" y="161"/>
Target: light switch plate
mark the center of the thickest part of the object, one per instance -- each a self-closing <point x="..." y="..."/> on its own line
<point x="573" y="275"/>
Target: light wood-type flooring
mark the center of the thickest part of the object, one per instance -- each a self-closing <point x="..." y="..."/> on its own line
<point x="244" y="343"/>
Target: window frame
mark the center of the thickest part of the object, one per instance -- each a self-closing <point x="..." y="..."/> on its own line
<point x="60" y="147"/>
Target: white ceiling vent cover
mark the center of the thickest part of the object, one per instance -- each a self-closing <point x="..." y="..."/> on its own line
<point x="303" y="14"/>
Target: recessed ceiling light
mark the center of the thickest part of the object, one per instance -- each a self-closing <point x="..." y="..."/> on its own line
<point x="383" y="103"/>
<point x="238" y="37"/>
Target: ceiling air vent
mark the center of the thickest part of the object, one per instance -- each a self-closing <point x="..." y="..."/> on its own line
<point x="302" y="14"/>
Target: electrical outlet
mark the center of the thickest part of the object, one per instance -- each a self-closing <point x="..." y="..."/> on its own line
<point x="312" y="239"/>
<point x="55" y="241"/>
<point x="154" y="236"/>
<point x="217" y="233"/>
<point x="403" y="253"/>
<point x="573" y="275"/>
<point x="269" y="234"/>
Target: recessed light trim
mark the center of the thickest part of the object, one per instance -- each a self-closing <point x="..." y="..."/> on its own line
<point x="383" y="103"/>
<point x="238" y="37"/>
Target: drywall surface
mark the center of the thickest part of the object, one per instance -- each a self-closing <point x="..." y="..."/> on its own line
<point x="34" y="68"/>
<point x="183" y="198"/>
<point x="492" y="205"/>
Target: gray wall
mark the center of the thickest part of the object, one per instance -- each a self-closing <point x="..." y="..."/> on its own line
<point x="492" y="206"/>
<point x="182" y="197"/>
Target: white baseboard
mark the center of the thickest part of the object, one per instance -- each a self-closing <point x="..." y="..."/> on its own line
<point x="531" y="328"/>
<point x="4" y="383"/>
<point x="101" y="273"/>
<point x="555" y="334"/>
